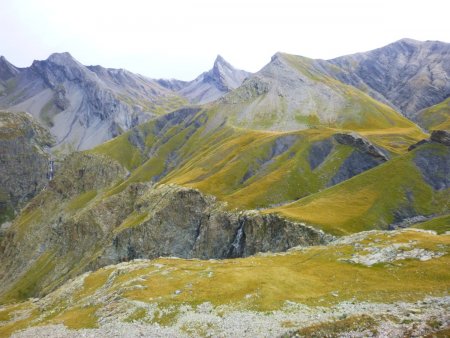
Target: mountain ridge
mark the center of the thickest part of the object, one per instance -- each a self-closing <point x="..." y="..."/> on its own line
<point x="84" y="108"/>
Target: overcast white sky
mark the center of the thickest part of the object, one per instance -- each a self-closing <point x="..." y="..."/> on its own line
<point x="180" y="39"/>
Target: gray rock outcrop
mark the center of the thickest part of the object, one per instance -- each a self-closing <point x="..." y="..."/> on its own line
<point x="23" y="161"/>
<point x="364" y="157"/>
<point x="94" y="222"/>
<point x="441" y="136"/>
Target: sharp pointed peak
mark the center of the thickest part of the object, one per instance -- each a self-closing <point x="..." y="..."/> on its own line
<point x="221" y="61"/>
<point x="220" y="58"/>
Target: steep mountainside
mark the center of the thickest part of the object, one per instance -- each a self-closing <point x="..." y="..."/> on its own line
<point x="247" y="169"/>
<point x="210" y="85"/>
<point x="408" y="189"/>
<point x="410" y="75"/>
<point x="83" y="106"/>
<point x="294" y="92"/>
<point x="23" y="161"/>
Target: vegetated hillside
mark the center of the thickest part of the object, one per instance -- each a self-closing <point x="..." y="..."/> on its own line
<point x="436" y="117"/>
<point x="408" y="74"/>
<point x="23" y="161"/>
<point x="394" y="193"/>
<point x="294" y="92"/>
<point x="247" y="168"/>
<point x="83" y="106"/>
<point x="370" y="284"/>
<point x="210" y="85"/>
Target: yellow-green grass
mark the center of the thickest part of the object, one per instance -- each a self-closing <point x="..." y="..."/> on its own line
<point x="337" y="327"/>
<point x="92" y="283"/>
<point x="436" y="117"/>
<point x="370" y="200"/>
<point x="310" y="276"/>
<point x="313" y="276"/>
<point x="77" y="318"/>
<point x="215" y="159"/>
<point x="439" y="224"/>
<point x="394" y="140"/>
<point x="11" y="324"/>
<point x="26" y="285"/>
<point x="80" y="201"/>
<point x="217" y="163"/>
<point x="122" y="151"/>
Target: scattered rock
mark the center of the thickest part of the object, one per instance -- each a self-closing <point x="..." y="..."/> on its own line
<point x="441" y="136"/>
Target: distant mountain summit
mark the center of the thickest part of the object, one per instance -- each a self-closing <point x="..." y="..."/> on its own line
<point x="83" y="106"/>
<point x="210" y="85"/>
<point x="294" y="92"/>
<point x="410" y="75"/>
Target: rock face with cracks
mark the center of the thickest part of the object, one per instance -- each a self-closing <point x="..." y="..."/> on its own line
<point x="23" y="161"/>
<point x="87" y="226"/>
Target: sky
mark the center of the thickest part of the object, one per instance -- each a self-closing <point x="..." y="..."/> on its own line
<point x="180" y="39"/>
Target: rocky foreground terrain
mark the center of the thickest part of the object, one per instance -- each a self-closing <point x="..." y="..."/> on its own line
<point x="369" y="284"/>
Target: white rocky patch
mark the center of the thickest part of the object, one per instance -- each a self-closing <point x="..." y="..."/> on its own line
<point x="392" y="320"/>
<point x="392" y="253"/>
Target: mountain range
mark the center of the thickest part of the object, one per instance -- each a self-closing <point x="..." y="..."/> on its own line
<point x="287" y="189"/>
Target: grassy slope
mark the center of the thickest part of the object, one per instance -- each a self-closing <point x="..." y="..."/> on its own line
<point x="329" y="102"/>
<point x="216" y="159"/>
<point x="371" y="199"/>
<point x="440" y="224"/>
<point x="436" y="117"/>
<point x="313" y="276"/>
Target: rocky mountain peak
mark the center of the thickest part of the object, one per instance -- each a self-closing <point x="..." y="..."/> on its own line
<point x="63" y="59"/>
<point x="61" y="67"/>
<point x="225" y="76"/>
<point x="276" y="56"/>
<point x="221" y="61"/>
<point x="213" y="84"/>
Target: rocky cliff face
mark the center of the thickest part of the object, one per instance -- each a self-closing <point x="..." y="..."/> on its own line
<point x="23" y="162"/>
<point x="364" y="157"/>
<point x="84" y="106"/>
<point x="89" y="224"/>
<point x="409" y="75"/>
